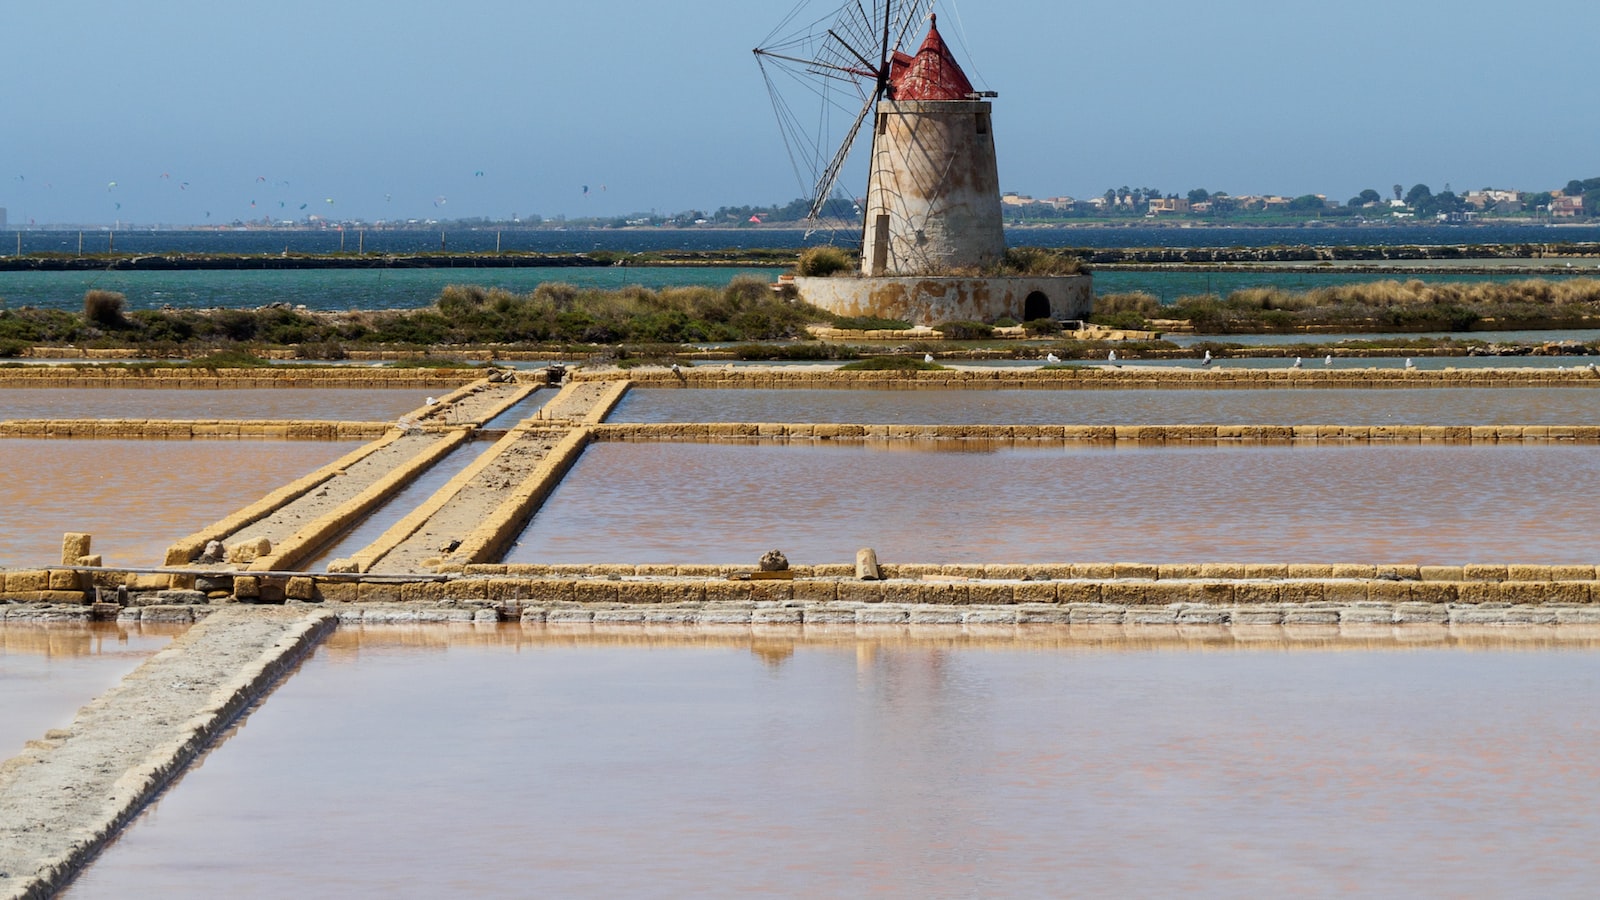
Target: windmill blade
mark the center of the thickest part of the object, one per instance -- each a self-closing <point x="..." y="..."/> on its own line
<point x="830" y="176"/>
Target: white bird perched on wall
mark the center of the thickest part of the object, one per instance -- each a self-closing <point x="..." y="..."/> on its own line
<point x="1328" y="360"/>
<point x="1207" y="360"/>
<point x="927" y="357"/>
<point x="675" y="369"/>
<point x="430" y="401"/>
<point x="1297" y="363"/>
<point x="1111" y="357"/>
<point x="1410" y="364"/>
<point x="1053" y="359"/>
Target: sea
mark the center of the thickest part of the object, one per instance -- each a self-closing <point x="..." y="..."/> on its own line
<point x="407" y="288"/>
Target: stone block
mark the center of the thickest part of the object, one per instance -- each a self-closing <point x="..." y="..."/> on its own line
<point x="1266" y="571"/>
<point x="1523" y="592"/>
<point x="1178" y="571"/>
<point x="990" y="594"/>
<point x="27" y="580"/>
<point x="815" y="591"/>
<point x="246" y="552"/>
<point x="65" y="580"/>
<point x="1442" y="573"/>
<point x="1435" y="592"/>
<point x="594" y="591"/>
<point x="1389" y="591"/>
<point x="1303" y="572"/>
<point x="1301" y="592"/>
<point x="1135" y="570"/>
<point x="74" y="544"/>
<point x="1042" y="591"/>
<point x="1528" y="573"/>
<point x="1569" y="593"/>
<point x="1232" y="571"/>
<point x="1572" y="573"/>
<point x="1421" y="614"/>
<point x="339" y="591"/>
<point x="1483" y="573"/>
<point x="774" y="591"/>
<point x="301" y="588"/>
<point x="1258" y="594"/>
<point x="944" y="594"/>
<point x="246" y="587"/>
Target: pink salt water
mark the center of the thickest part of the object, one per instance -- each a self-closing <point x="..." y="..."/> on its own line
<point x="135" y="497"/>
<point x="1333" y="406"/>
<point x="47" y="671"/>
<point x="970" y="502"/>
<point x="535" y="762"/>
<point x="321" y="404"/>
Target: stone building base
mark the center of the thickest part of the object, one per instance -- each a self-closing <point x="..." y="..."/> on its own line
<point x="930" y="300"/>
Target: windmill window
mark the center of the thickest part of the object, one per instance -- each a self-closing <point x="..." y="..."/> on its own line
<point x="983" y="123"/>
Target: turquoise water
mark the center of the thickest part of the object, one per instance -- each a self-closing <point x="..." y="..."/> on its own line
<point x="328" y="289"/>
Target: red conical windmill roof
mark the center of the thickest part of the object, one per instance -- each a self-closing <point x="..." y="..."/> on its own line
<point x="932" y="74"/>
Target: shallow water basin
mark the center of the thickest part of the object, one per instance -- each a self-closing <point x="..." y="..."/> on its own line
<point x="971" y="502"/>
<point x="136" y="497"/>
<point x="1283" y="406"/>
<point x="530" y="761"/>
<point x="317" y="404"/>
<point x="48" y="671"/>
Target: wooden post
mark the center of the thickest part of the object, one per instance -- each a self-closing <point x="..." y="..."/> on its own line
<point x="80" y="243"/>
<point x="361" y="242"/>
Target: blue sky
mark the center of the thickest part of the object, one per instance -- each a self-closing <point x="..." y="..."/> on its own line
<point x="390" y="109"/>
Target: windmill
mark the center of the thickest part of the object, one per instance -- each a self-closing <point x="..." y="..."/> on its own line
<point x="844" y="61"/>
<point x="932" y="232"/>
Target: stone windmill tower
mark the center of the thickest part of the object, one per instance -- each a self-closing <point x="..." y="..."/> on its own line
<point x="933" y="192"/>
<point x="933" y="231"/>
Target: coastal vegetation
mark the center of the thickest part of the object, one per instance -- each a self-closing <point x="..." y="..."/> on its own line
<point x="1372" y="306"/>
<point x="751" y="321"/>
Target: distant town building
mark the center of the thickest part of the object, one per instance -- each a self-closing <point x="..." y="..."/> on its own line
<point x="1168" y="205"/>
<point x="1566" y="207"/>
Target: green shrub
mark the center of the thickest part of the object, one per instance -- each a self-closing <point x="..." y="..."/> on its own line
<point x="966" y="331"/>
<point x="104" y="308"/>
<point x="870" y="323"/>
<point x="820" y="262"/>
<point x="890" y="364"/>
<point x="1041" y="326"/>
<point x="1034" y="261"/>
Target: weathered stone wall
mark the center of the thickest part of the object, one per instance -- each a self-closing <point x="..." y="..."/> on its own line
<point x="929" y="300"/>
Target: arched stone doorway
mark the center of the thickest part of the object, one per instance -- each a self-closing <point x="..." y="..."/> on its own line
<point x="1035" y="306"/>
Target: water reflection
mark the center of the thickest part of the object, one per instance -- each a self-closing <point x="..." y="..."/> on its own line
<point x="1337" y="406"/>
<point x="819" y="503"/>
<point x="574" y="767"/>
<point x="135" y="497"/>
<point x="48" y="671"/>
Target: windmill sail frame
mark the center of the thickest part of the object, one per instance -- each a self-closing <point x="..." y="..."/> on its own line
<point x="821" y="55"/>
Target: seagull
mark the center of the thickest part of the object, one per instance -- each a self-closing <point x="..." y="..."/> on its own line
<point x="675" y="368"/>
<point x="1207" y="360"/>
<point x="1328" y="360"/>
<point x="1296" y="363"/>
<point x="1052" y="359"/>
<point x="927" y="357"/>
<point x="1111" y="357"/>
<point x="1410" y="364"/>
<point x="430" y="401"/>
